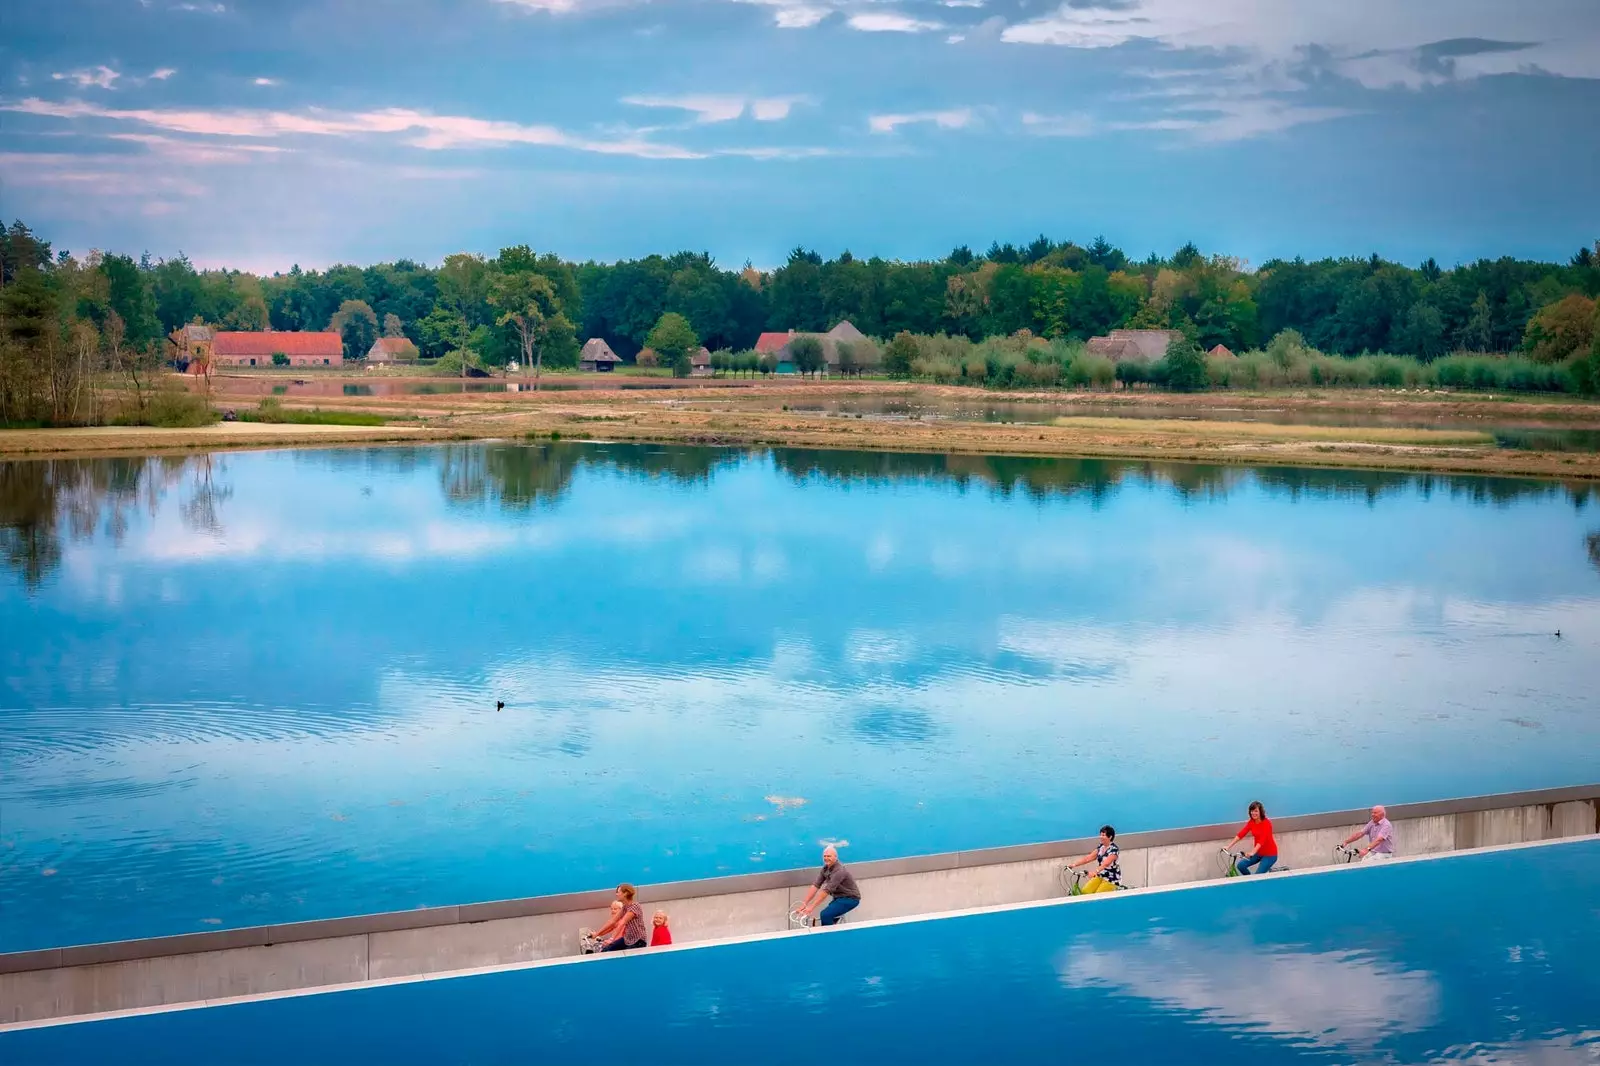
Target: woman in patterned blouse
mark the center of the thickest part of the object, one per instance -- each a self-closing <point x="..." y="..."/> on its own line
<point x="628" y="925"/>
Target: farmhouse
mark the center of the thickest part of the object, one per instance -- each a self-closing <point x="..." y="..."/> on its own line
<point x="598" y="356"/>
<point x="392" y="350"/>
<point x="1133" y="345"/>
<point x="231" y="348"/>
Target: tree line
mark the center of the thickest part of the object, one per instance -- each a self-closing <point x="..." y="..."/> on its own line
<point x="537" y="307"/>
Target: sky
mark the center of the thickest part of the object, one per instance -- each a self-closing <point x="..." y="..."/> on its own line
<point x="263" y="133"/>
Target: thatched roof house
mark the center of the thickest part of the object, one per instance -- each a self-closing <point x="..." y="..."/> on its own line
<point x="392" y="350"/>
<point x="1133" y="345"/>
<point x="597" y="356"/>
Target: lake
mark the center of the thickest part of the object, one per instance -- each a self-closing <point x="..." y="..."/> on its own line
<point x="1273" y="969"/>
<point x="260" y="687"/>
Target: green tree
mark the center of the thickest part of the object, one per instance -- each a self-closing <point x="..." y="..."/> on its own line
<point x="672" y="337"/>
<point x="528" y="302"/>
<point x="357" y="327"/>
<point x="392" y="326"/>
<point x="279" y="359"/>
<point x="806" y="354"/>
<point x="1561" y="329"/>
<point x="129" y="296"/>
<point x="899" y="355"/>
<point x="682" y="365"/>
<point x="1423" y="333"/>
<point x="1478" y="334"/>
<point x="1185" y="366"/>
<point x="849" y="363"/>
<point x="442" y="330"/>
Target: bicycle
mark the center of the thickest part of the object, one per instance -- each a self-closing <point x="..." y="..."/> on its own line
<point x="798" y="919"/>
<point x="588" y="943"/>
<point x="1228" y="861"/>
<point x="1345" y="853"/>
<point x="1073" y="879"/>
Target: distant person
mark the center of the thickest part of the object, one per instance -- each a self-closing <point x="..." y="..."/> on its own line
<point x="626" y="927"/>
<point x="1379" y="834"/>
<point x="835" y="882"/>
<point x="1259" y="829"/>
<point x="660" y="936"/>
<point x="1107" y="876"/>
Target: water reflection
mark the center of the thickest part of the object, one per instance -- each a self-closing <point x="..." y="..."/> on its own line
<point x="292" y="658"/>
<point x="46" y="503"/>
<point x="1335" y="999"/>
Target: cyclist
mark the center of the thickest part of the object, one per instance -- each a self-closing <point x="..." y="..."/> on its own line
<point x="1107" y="876"/>
<point x="835" y="882"/>
<point x="1259" y="829"/>
<point x="1379" y="834"/>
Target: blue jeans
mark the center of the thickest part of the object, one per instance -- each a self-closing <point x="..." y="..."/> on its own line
<point x="623" y="945"/>
<point x="837" y="908"/>
<point x="1267" y="862"/>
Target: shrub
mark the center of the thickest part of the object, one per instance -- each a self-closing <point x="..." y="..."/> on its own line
<point x="279" y="359"/>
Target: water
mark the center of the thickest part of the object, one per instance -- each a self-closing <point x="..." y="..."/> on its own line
<point x="260" y="687"/>
<point x="1427" y="962"/>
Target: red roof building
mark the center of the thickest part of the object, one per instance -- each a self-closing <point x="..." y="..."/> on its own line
<point x="774" y="342"/>
<point x="257" y="349"/>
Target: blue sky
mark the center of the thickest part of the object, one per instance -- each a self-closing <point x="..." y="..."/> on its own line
<point x="262" y="133"/>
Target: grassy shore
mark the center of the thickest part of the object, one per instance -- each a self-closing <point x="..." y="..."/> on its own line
<point x="757" y="415"/>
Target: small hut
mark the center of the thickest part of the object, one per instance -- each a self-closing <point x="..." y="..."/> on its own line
<point x="1221" y="351"/>
<point x="597" y="356"/>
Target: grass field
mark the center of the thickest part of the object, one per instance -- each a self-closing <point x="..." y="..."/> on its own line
<point x="1271" y="431"/>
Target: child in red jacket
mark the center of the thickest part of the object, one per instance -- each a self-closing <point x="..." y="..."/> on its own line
<point x="660" y="935"/>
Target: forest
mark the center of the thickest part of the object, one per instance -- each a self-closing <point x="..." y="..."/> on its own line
<point x="64" y="316"/>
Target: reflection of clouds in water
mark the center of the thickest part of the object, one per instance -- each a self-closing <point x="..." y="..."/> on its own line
<point x="878" y="646"/>
<point x="1334" y="999"/>
<point x="881" y="552"/>
<point x="894" y="726"/>
<point x="1568" y="1049"/>
<point x="723" y="564"/>
<point x="1074" y="652"/>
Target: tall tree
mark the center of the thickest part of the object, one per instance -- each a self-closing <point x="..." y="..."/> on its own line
<point x="528" y="303"/>
<point x="672" y="338"/>
<point x="357" y="326"/>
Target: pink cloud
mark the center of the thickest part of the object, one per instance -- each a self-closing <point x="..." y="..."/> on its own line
<point x="417" y="128"/>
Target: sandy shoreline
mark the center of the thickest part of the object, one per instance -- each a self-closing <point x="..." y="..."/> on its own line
<point x="754" y="414"/>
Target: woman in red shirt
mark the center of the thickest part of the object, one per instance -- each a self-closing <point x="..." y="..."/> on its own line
<point x="1258" y="828"/>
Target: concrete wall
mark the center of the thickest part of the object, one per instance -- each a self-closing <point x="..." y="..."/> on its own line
<point x="135" y="974"/>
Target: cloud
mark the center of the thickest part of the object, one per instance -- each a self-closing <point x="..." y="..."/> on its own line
<point x="1479" y="36"/>
<point x="793" y="14"/>
<point x="162" y="74"/>
<point x="202" y="9"/>
<point x="721" y="108"/>
<point x="266" y="81"/>
<point x="890" y="22"/>
<point x="1072" y="125"/>
<point x="775" y="152"/>
<point x="418" y="129"/>
<point x="554" y="7"/>
<point x="962" y="3"/>
<point x="101" y="77"/>
<point x="196" y="152"/>
<point x="952" y="119"/>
